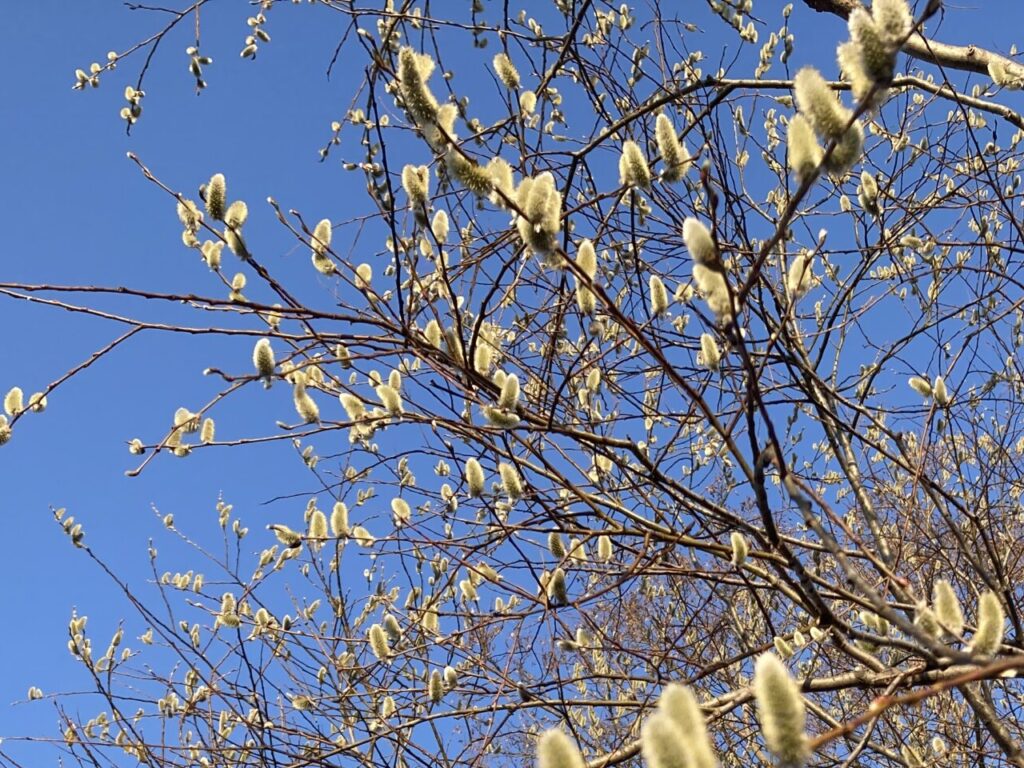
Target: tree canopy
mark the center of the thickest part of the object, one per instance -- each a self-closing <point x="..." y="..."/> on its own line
<point x="660" y="404"/>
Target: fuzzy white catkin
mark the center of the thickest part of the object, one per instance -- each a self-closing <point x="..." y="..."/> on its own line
<point x="674" y="155"/>
<point x="710" y="356"/>
<point x="633" y="168"/>
<point x="379" y="642"/>
<point x="556" y="750"/>
<point x="216" y="196"/>
<point x="780" y="710"/>
<point x="604" y="548"/>
<point x="263" y="359"/>
<point x="699" y="242"/>
<point x="339" y="519"/>
<point x="401" y="511"/>
<point x="679" y="704"/>
<point x="877" y="55"/>
<point x="14" y="401"/>
<point x="506" y="71"/>
<point x="817" y="101"/>
<point x="416" y="182"/>
<point x="940" y="392"/>
<point x="475" y="479"/>
<point x="509" y="398"/>
<point x="586" y="260"/>
<point x="659" y="296"/>
<point x="804" y="151"/>
<point x="305" y="406"/>
<point x="920" y="385"/>
<point x="207" y="433"/>
<point x="413" y="71"/>
<point x="947" y="607"/>
<point x="510" y="481"/>
<point x="390" y="398"/>
<point x="439" y="226"/>
<point x="237" y="214"/>
<point x="435" y="689"/>
<point x="740" y="548"/>
<point x="318" y="525"/>
<point x="798" y="278"/>
<point x="558" y="591"/>
<point x="989" y="635"/>
<point x="662" y="743"/>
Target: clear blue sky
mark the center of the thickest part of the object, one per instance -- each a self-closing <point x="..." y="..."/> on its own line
<point x="77" y="212"/>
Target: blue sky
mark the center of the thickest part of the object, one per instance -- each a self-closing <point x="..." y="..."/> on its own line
<point x="77" y="212"/>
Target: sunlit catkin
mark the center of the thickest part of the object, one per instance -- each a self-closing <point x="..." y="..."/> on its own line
<point x="339" y="519"/>
<point x="604" y="548"/>
<point x="510" y="481"/>
<point x="633" y="169"/>
<point x="804" y="151"/>
<point x="207" y="433"/>
<point x="816" y="100"/>
<point x="798" y="278"/>
<point x="475" y="479"/>
<point x="439" y="226"/>
<point x="318" y="525"/>
<point x="557" y="589"/>
<point x="216" y="196"/>
<point x="509" y="397"/>
<point x="586" y="260"/>
<point x="947" y="607"/>
<point x="699" y="242"/>
<point x="390" y="398"/>
<point x="659" y="296"/>
<point x="740" y="548"/>
<point x="940" y="392"/>
<point x="920" y="385"/>
<point x="555" y="545"/>
<point x="780" y="710"/>
<point x="432" y="333"/>
<point x="679" y="704"/>
<point x="710" y="356"/>
<point x="675" y="157"/>
<point x="237" y="214"/>
<point x="14" y="401"/>
<point x="435" y="688"/>
<point x="413" y="71"/>
<point x="379" y="642"/>
<point x="401" y="512"/>
<point x="305" y="406"/>
<point x="541" y="203"/>
<point x="556" y="750"/>
<point x="263" y="360"/>
<point x="416" y="182"/>
<point x="5" y="430"/>
<point x="354" y="407"/>
<point x="663" y="745"/>
<point x="989" y="635"/>
<point x="506" y="71"/>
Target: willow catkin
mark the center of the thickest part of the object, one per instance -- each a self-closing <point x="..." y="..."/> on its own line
<point x="237" y="214"/>
<point x="432" y="333"/>
<point x="354" y="407"/>
<point x="674" y="155"/>
<point x="506" y="71"/>
<point x="604" y="548"/>
<point x="541" y="203"/>
<point x="401" y="511"/>
<point x="780" y="710"/>
<point x="339" y="519"/>
<point x="216" y="196"/>
<point x="390" y="398"/>
<point x="799" y="275"/>
<point x="710" y="355"/>
<point x="679" y="704"/>
<point x="940" y="392"/>
<point x="474" y="478"/>
<point x="740" y="548"/>
<point x="510" y="481"/>
<point x="989" y="635"/>
<point x="920" y="385"/>
<point x="633" y="169"/>
<point x="318" y="525"/>
<point x="947" y="607"/>
<point x="305" y="406"/>
<point x="413" y="71"/>
<point x="14" y="401"/>
<point x="818" y="102"/>
<point x="805" y="152"/>
<point x="416" y="182"/>
<point x="439" y="226"/>
<point x="263" y="359"/>
<point x="556" y="750"/>
<point x="393" y="628"/>
<point x="557" y="589"/>
<point x="659" y="296"/>
<point x="379" y="642"/>
<point x="893" y="18"/>
<point x="207" y="433"/>
<point x="586" y="260"/>
<point x="699" y="242"/>
<point x="555" y="545"/>
<point x="662" y="743"/>
<point x="509" y="397"/>
<point x="435" y="688"/>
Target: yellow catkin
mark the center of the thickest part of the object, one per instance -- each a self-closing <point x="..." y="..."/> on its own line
<point x="216" y="196"/>
<point x="780" y="710"/>
<point x="509" y="397"/>
<point x="379" y="642"/>
<point x="475" y="479"/>
<point x="604" y="548"/>
<point x="506" y="71"/>
<point x="799" y="276"/>
<point x="435" y="688"/>
<point x="390" y="398"/>
<point x="989" y="635"/>
<point x="305" y="405"/>
<point x="679" y="704"/>
<point x="804" y="151"/>
<point x="339" y="519"/>
<point x="659" y="296"/>
<point x="510" y="481"/>
<point x="14" y="401"/>
<point x="263" y="359"/>
<point x="207" y="433"/>
<point x="710" y="356"/>
<point x="674" y="155"/>
<point x="633" y="169"/>
<point x="740" y="549"/>
<point x="556" y="750"/>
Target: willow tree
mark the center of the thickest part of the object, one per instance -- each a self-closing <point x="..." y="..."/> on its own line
<point x="668" y="415"/>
